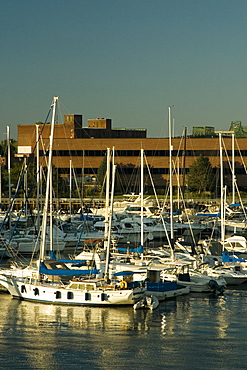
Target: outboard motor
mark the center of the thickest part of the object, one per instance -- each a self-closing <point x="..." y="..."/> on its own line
<point x="215" y="286"/>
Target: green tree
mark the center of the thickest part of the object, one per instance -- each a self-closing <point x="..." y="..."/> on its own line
<point x="17" y="179"/>
<point x="4" y="147"/>
<point x="200" y="177"/>
<point x="102" y="172"/>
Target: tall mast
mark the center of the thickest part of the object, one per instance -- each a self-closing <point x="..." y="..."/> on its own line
<point x="107" y="197"/>
<point x="233" y="170"/>
<point x="25" y="184"/>
<point x="222" y="205"/>
<point x="170" y="169"/>
<point x="8" y="145"/>
<point x="0" y="186"/>
<point x="184" y="158"/>
<point x="38" y="176"/>
<point x="82" y="176"/>
<point x="142" y="192"/>
<point x="222" y="187"/>
<point x="110" y="223"/>
<point x="70" y="187"/>
<point x="48" y="184"/>
<point x="51" y="210"/>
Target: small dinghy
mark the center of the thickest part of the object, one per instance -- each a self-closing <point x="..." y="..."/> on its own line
<point x="150" y="302"/>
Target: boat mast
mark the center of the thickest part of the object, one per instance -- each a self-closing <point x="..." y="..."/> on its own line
<point x="222" y="209"/>
<point x="233" y="170"/>
<point x="142" y="190"/>
<point x="170" y="167"/>
<point x="51" y="211"/>
<point x="48" y="184"/>
<point x="8" y="147"/>
<point x="70" y="187"/>
<point x="184" y="160"/>
<point x="0" y="186"/>
<point x="38" y="177"/>
<point x="222" y="187"/>
<point x="110" y="223"/>
<point x="25" y="184"/>
<point x="107" y="197"/>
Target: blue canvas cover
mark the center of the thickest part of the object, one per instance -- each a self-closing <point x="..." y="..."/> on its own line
<point x="65" y="271"/>
<point x="227" y="258"/>
<point x="133" y="250"/>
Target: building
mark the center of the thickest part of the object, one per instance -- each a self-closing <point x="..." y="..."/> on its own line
<point x="85" y="148"/>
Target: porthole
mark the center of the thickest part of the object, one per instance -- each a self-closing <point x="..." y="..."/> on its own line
<point x="70" y="295"/>
<point x="58" y="294"/>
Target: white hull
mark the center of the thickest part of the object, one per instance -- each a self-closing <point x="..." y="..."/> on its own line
<point x="235" y="280"/>
<point x="33" y="290"/>
<point x="150" y="302"/>
<point x="231" y="277"/>
<point x="198" y="283"/>
<point x="196" y="287"/>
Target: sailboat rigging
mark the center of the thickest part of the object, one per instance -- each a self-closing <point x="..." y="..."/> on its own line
<point x="52" y="281"/>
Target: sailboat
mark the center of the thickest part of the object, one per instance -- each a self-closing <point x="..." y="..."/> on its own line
<point x="50" y="280"/>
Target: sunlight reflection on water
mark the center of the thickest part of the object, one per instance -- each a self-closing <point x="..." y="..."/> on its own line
<point x="195" y="331"/>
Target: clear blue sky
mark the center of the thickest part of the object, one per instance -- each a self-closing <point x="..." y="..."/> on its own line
<point x="127" y="60"/>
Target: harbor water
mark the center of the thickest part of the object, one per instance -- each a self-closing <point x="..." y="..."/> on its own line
<point x="196" y="331"/>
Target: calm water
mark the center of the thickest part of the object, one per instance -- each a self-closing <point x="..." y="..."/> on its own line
<point x="193" y="332"/>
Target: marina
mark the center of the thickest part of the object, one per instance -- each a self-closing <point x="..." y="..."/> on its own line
<point x="140" y="269"/>
<point x="123" y="193"/>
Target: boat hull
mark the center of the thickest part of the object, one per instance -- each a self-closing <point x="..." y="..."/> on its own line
<point x="58" y="294"/>
<point x="162" y="296"/>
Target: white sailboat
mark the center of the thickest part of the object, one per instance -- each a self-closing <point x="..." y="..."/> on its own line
<point x="52" y="281"/>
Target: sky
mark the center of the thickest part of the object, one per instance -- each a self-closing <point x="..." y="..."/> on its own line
<point x="128" y="60"/>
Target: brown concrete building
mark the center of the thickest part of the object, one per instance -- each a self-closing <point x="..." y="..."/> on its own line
<point x="86" y="147"/>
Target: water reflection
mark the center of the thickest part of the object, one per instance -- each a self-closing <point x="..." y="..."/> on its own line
<point x="62" y="317"/>
<point x="60" y="337"/>
<point x="170" y="317"/>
